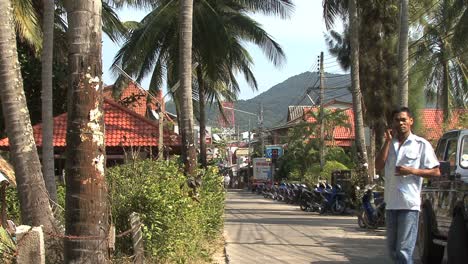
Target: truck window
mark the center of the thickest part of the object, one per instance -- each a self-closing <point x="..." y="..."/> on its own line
<point x="440" y="151"/>
<point x="451" y="154"/>
<point x="464" y="152"/>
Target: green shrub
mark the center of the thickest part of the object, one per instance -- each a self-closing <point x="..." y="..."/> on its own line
<point x="313" y="174"/>
<point x="177" y="228"/>
<point x="13" y="205"/>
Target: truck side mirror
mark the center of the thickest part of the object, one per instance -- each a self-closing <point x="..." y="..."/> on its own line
<point x="444" y="168"/>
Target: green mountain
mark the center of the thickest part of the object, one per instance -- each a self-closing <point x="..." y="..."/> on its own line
<point x="276" y="100"/>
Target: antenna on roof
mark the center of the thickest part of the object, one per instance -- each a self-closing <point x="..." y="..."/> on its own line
<point x="136" y="83"/>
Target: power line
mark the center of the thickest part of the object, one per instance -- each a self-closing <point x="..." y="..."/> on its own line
<point x="333" y="77"/>
<point x="427" y="32"/>
<point x="425" y="11"/>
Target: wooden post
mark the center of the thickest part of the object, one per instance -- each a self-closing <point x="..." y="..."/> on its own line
<point x="137" y="239"/>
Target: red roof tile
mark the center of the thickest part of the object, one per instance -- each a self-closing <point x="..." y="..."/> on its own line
<point x="123" y="128"/>
<point x="132" y="98"/>
<point x="432" y="122"/>
<point x="432" y="125"/>
<point x="342" y="136"/>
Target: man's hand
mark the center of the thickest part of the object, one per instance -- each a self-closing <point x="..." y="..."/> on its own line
<point x="403" y="171"/>
<point x="388" y="135"/>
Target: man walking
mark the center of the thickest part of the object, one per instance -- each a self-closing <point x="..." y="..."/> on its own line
<point x="227" y="180"/>
<point x="407" y="158"/>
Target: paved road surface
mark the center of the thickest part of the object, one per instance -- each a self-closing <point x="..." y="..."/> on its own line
<point x="259" y="230"/>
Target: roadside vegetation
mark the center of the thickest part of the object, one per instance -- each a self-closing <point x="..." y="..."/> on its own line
<point x="179" y="226"/>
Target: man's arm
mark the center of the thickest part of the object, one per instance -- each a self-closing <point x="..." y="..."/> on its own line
<point x="425" y="173"/>
<point x="429" y="164"/>
<point x="383" y="153"/>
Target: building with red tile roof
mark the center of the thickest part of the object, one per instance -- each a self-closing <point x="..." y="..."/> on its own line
<point x="127" y="129"/>
<point x="124" y="128"/>
<point x="433" y="125"/>
<point x="431" y="120"/>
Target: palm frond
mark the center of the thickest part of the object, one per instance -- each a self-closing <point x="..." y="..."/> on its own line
<point x="27" y="24"/>
<point x="111" y="24"/>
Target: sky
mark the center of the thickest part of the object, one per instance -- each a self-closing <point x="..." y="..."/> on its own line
<point x="301" y="37"/>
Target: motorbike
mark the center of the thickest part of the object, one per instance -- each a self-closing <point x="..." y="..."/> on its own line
<point x="333" y="199"/>
<point x="310" y="200"/>
<point x="372" y="212"/>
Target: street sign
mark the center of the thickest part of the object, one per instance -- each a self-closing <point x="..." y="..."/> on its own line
<point x="261" y="168"/>
<point x="274" y="151"/>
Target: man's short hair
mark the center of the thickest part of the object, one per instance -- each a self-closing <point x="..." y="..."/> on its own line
<point x="401" y="110"/>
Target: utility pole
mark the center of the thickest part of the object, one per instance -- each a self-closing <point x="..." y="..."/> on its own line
<point x="262" y="139"/>
<point x="322" y="128"/>
<point x="250" y="158"/>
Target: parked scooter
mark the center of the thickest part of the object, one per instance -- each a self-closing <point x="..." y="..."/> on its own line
<point x="333" y="199"/>
<point x="372" y="212"/>
<point x="311" y="200"/>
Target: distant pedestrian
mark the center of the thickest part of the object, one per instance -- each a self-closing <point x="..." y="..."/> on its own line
<point x="406" y="158"/>
<point x="227" y="180"/>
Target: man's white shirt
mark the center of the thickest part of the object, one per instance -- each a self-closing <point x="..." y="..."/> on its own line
<point x="403" y="192"/>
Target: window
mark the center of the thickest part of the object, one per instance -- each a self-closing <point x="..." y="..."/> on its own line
<point x="464" y="152"/>
<point x="441" y="149"/>
<point x="451" y="154"/>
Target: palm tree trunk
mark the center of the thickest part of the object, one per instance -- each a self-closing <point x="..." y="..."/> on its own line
<point x="47" y="105"/>
<point x="403" y="54"/>
<point x="86" y="215"/>
<point x="185" y="56"/>
<point x="356" y="90"/>
<point x="445" y="91"/>
<point x="33" y="197"/>
<point x="201" y="104"/>
<point x="371" y="153"/>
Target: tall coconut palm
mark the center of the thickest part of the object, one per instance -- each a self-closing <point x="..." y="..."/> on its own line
<point x="185" y="76"/>
<point x="29" y="31"/>
<point x="355" y="85"/>
<point x="354" y="59"/>
<point x="47" y="100"/>
<point x="446" y="71"/>
<point x="403" y="54"/>
<point x="220" y="65"/>
<point x="224" y="23"/>
<point x="86" y="207"/>
<point x="34" y="201"/>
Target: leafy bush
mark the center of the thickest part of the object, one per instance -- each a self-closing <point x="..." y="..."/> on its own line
<point x="338" y="154"/>
<point x="313" y="174"/>
<point x="177" y="228"/>
<point x="13" y="205"/>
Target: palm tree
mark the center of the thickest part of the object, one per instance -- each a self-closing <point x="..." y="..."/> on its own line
<point x="355" y="86"/>
<point x="446" y="65"/>
<point x="216" y="81"/>
<point x="47" y="101"/>
<point x="330" y="15"/>
<point x="223" y="23"/>
<point x="403" y="54"/>
<point x="185" y="70"/>
<point x="86" y="213"/>
<point x="29" y="31"/>
<point x="34" y="201"/>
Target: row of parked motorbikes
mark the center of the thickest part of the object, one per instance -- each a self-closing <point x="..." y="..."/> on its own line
<point x="322" y="198"/>
<point x="325" y="198"/>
